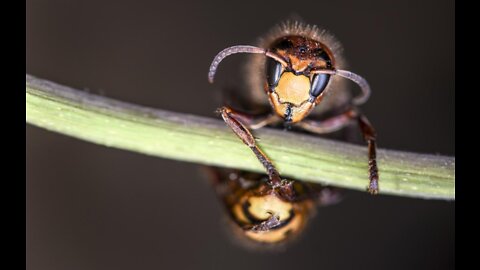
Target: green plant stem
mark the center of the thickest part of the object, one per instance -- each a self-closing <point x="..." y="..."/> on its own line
<point x="203" y="140"/>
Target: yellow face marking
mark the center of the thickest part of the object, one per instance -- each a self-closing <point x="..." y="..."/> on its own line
<point x="298" y="113"/>
<point x="301" y="112"/>
<point x="293" y="89"/>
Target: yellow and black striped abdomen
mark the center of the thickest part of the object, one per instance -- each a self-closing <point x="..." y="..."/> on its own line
<point x="269" y="219"/>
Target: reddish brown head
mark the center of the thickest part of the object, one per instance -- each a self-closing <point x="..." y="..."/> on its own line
<point x="298" y="70"/>
<point x="293" y="85"/>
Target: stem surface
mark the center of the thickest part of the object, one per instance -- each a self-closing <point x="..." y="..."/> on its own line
<point x="208" y="141"/>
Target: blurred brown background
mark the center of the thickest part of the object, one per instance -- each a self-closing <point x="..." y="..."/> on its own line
<point x="92" y="207"/>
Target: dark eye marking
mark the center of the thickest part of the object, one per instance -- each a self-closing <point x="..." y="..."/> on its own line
<point x="319" y="82"/>
<point x="284" y="44"/>
<point x="274" y="70"/>
<point x="321" y="53"/>
<point x="318" y="52"/>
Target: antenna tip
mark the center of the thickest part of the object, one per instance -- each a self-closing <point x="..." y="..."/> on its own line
<point x="210" y="77"/>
